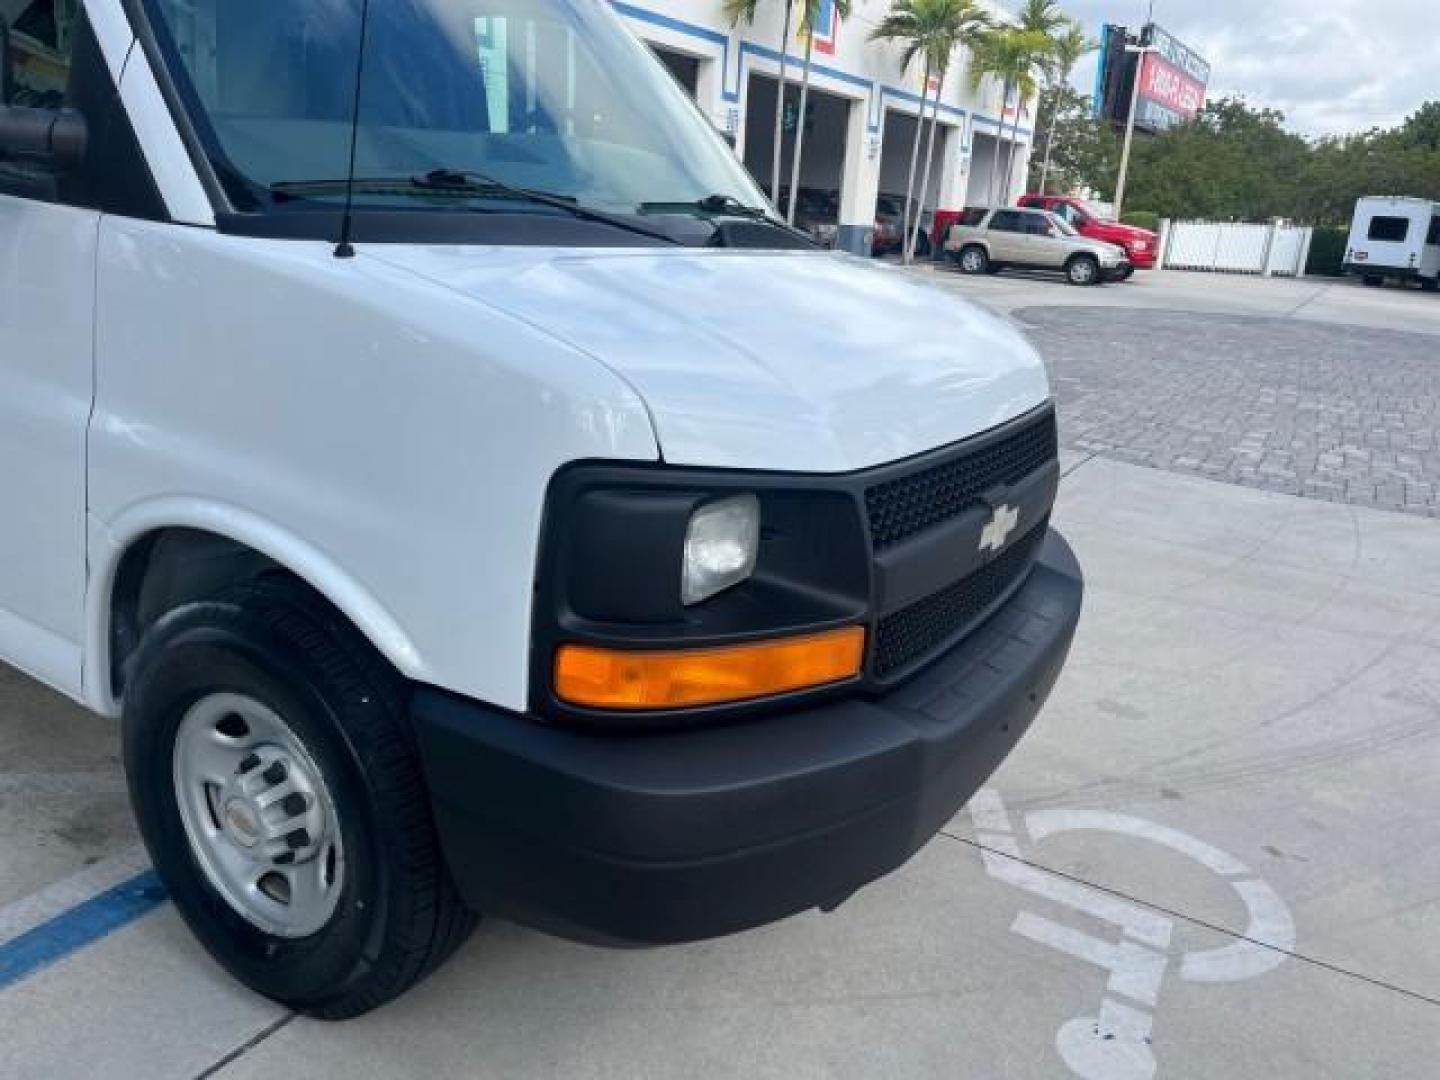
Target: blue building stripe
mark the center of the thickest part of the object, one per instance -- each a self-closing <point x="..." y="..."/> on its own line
<point x="82" y="925"/>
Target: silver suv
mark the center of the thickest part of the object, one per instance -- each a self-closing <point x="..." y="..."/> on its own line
<point x="984" y="241"/>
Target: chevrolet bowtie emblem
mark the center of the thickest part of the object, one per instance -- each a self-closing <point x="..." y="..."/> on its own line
<point x="998" y="529"/>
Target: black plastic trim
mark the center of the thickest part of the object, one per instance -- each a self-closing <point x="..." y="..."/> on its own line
<point x="430" y="226"/>
<point x="1400" y="273"/>
<point x="681" y="835"/>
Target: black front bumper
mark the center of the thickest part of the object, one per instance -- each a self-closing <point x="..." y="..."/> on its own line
<point x="675" y="836"/>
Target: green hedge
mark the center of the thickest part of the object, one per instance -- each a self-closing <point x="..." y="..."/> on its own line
<point x="1327" y="252"/>
<point x="1142" y="219"/>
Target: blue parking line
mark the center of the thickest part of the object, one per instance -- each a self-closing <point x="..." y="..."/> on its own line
<point x="81" y="925"/>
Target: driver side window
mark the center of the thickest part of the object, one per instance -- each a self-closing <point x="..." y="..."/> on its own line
<point x="55" y="63"/>
<point x="41" y="32"/>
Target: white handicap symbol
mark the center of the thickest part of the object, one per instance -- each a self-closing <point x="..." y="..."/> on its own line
<point x="1115" y="1044"/>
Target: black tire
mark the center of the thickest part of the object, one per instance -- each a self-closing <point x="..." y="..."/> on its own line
<point x="922" y="246"/>
<point x="1125" y="274"/>
<point x="398" y="915"/>
<point x="973" y="259"/>
<point x="1430" y="284"/>
<point x="1373" y="280"/>
<point x="1083" y="270"/>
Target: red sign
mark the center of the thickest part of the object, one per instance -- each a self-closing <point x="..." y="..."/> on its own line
<point x="1168" y="86"/>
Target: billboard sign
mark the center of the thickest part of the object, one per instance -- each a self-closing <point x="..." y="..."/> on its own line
<point x="1172" y="79"/>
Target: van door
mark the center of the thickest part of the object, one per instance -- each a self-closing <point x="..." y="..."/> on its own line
<point x="47" y="307"/>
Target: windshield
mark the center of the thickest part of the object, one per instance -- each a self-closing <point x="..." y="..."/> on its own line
<point x="1098" y="211"/>
<point x="552" y="96"/>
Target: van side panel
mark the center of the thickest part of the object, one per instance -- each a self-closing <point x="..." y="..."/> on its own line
<point x="402" y="435"/>
<point x="47" y="298"/>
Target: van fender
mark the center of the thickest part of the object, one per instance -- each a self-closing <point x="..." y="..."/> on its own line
<point x="108" y="542"/>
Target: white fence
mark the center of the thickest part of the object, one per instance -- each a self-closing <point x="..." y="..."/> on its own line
<point x="1230" y="247"/>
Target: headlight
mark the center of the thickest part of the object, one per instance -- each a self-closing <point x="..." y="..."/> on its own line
<point x="721" y="544"/>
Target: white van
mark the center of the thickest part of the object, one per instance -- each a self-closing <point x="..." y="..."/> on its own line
<point x="1393" y="237"/>
<point x="471" y="497"/>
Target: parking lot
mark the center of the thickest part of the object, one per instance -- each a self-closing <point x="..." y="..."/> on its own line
<point x="1217" y="853"/>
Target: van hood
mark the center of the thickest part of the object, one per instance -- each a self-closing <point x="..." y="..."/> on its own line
<point x="796" y="361"/>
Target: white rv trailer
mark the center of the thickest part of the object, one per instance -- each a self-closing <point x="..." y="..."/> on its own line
<point x="1395" y="237"/>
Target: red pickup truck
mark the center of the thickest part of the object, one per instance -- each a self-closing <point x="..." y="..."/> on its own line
<point x="1139" y="244"/>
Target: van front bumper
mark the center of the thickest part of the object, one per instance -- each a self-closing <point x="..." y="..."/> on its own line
<point x="680" y="835"/>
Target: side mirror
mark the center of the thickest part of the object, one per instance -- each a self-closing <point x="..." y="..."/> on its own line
<point x="52" y="138"/>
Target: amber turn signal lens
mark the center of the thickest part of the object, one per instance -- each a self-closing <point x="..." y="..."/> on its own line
<point x="615" y="679"/>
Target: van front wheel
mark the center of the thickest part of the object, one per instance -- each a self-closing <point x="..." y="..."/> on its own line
<point x="282" y="803"/>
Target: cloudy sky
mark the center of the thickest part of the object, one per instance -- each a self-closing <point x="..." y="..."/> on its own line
<point x="1330" y="65"/>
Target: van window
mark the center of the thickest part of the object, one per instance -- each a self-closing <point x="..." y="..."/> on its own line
<point x="1433" y="237"/>
<point x="40" y="39"/>
<point x="56" y="63"/>
<point x="1389" y="229"/>
<point x="551" y="95"/>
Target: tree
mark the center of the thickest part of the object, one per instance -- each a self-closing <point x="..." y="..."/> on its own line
<point x="1067" y="49"/>
<point x="1041" y="17"/>
<point x="1015" y="57"/>
<point x="1083" y="150"/>
<point x="1232" y="161"/>
<point x="738" y="11"/>
<point x="930" y="30"/>
<point x="810" y="15"/>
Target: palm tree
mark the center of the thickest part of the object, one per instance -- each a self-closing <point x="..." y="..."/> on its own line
<point x="1069" y="47"/>
<point x="738" y="11"/>
<point x="929" y="29"/>
<point x="1014" y="56"/>
<point x="1041" y="17"/>
<point x="809" y="16"/>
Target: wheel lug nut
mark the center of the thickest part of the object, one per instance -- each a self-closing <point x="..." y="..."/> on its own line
<point x="275" y="773"/>
<point x="294" y="804"/>
<point x="297" y="839"/>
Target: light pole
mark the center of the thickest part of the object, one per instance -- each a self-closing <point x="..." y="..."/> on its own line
<point x="1140" y="52"/>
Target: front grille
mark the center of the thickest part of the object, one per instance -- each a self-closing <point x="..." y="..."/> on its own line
<point x="900" y="508"/>
<point x="928" y="625"/>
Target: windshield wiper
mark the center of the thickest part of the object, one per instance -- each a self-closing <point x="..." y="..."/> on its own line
<point x="466" y="182"/>
<point x="713" y="206"/>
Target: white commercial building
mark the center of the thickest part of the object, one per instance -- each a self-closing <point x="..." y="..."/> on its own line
<point x="862" y="112"/>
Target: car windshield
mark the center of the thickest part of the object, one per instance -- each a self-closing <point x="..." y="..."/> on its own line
<point x="496" y="97"/>
<point x="1098" y="211"/>
<point x="1066" y="229"/>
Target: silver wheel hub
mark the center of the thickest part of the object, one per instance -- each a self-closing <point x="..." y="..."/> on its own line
<point x="260" y="820"/>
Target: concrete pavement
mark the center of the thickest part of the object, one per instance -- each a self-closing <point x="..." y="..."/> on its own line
<point x="1339" y="301"/>
<point x="1216" y="854"/>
